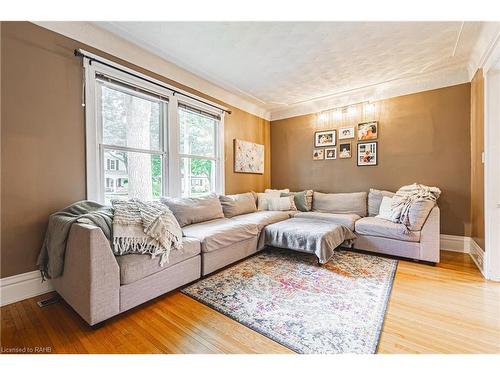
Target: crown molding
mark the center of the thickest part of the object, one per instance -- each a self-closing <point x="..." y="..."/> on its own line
<point x="108" y="42"/>
<point x="490" y="34"/>
<point x="380" y="91"/>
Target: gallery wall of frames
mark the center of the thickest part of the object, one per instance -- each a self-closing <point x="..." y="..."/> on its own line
<point x="349" y="134"/>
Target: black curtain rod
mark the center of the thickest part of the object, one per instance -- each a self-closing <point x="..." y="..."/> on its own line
<point x="79" y="54"/>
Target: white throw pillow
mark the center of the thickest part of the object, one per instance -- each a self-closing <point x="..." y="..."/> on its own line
<point x="279" y="191"/>
<point x="281" y="204"/>
<point x="385" y="210"/>
<point x="263" y="199"/>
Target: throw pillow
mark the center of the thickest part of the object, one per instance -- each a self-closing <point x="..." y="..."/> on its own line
<point x="300" y="200"/>
<point x="238" y="204"/>
<point x="277" y="190"/>
<point x="282" y="204"/>
<point x="194" y="210"/>
<point x="385" y="210"/>
<point x="263" y="199"/>
<point x="375" y="198"/>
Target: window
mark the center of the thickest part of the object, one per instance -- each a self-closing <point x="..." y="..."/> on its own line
<point x="131" y="137"/>
<point x="197" y="151"/>
<point x="144" y="142"/>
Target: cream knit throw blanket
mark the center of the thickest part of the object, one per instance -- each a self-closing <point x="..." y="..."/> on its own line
<point x="145" y="228"/>
<point x="406" y="195"/>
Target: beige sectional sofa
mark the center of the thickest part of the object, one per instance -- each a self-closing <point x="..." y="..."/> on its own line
<point x="99" y="285"/>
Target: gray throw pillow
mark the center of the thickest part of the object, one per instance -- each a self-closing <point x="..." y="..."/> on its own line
<point x="340" y="203"/>
<point x="375" y="199"/>
<point x="300" y="199"/>
<point x="194" y="210"/>
<point x="238" y="204"/>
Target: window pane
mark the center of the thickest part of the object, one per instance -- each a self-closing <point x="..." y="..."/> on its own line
<point x="197" y="176"/>
<point x="197" y="133"/>
<point x="135" y="175"/>
<point x="129" y="120"/>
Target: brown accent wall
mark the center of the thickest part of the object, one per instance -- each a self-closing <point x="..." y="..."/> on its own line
<point x="477" y="166"/>
<point x="423" y="137"/>
<point x="43" y="137"/>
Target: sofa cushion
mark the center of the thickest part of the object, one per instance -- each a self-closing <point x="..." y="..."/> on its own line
<point x="281" y="204"/>
<point x="263" y="218"/>
<point x="418" y="213"/>
<point x="263" y="199"/>
<point x="238" y="204"/>
<point x="194" y="210"/>
<point x="373" y="226"/>
<point x="135" y="267"/>
<point x="340" y="203"/>
<point x="346" y="220"/>
<point x="375" y="199"/>
<point x="219" y="233"/>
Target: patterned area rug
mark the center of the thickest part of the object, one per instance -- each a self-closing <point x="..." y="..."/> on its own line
<point x="284" y="295"/>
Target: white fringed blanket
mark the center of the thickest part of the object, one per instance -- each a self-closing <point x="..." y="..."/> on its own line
<point x="145" y="228"/>
<point x="406" y="195"/>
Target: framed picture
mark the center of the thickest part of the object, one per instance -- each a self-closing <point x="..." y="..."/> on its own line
<point x="330" y="153"/>
<point x="345" y="150"/>
<point x="248" y="157"/>
<point x="367" y="154"/>
<point x="367" y="131"/>
<point x="325" y="138"/>
<point x="346" y="133"/>
<point x="318" y="154"/>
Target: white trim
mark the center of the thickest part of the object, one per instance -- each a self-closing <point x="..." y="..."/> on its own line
<point x="25" y="285"/>
<point x="459" y="244"/>
<point x="86" y="32"/>
<point x="491" y="154"/>
<point x="380" y="91"/>
<point x="466" y="245"/>
<point x="477" y="255"/>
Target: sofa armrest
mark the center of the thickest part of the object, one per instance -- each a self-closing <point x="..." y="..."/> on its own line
<point x="90" y="282"/>
<point x="429" y="237"/>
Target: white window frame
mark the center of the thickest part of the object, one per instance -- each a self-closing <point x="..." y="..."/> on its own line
<point x="170" y="137"/>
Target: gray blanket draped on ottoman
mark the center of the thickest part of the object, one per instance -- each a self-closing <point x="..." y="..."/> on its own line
<point x="310" y="236"/>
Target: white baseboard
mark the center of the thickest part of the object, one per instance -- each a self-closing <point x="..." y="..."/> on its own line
<point x="477" y="255"/>
<point x="25" y="285"/>
<point x="462" y="244"/>
<point x="459" y="244"/>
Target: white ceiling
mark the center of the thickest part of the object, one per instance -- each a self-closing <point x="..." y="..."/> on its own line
<point x="282" y="64"/>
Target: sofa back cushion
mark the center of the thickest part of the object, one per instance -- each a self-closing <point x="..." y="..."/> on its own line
<point x="340" y="203"/>
<point x="375" y="198"/>
<point x="281" y="204"/>
<point x="238" y="204"/>
<point x="263" y="199"/>
<point x="194" y="210"/>
<point x="418" y="213"/>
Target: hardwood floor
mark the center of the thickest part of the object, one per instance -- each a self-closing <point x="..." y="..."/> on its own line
<point x="449" y="308"/>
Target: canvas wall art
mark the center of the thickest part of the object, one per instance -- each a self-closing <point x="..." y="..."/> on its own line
<point x="248" y="157"/>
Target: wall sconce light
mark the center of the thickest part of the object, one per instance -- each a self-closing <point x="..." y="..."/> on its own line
<point x="337" y="114"/>
<point x="351" y="110"/>
<point x="322" y="116"/>
<point x="369" y="108"/>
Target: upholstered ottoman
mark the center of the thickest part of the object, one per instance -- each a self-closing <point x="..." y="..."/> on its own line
<point x="309" y="236"/>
